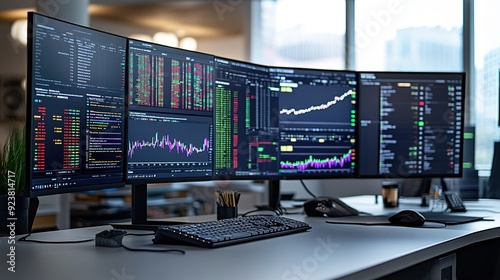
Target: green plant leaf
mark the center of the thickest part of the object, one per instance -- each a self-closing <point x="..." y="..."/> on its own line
<point x="12" y="159"/>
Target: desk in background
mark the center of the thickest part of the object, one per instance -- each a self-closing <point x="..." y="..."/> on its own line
<point x="327" y="251"/>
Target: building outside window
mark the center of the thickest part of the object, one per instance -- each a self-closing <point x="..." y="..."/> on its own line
<point x="487" y="71"/>
<point x="298" y="33"/>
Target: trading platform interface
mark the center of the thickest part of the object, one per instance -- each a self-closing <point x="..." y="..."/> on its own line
<point x="170" y="121"/>
<point x="246" y="120"/>
<point x="317" y="119"/>
<point x="415" y="123"/>
<point x="77" y="106"/>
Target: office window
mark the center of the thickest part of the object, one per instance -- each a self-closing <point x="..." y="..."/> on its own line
<point x="300" y="33"/>
<point x="487" y="71"/>
<point x="408" y="35"/>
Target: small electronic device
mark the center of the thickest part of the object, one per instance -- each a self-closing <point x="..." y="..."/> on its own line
<point x="454" y="202"/>
<point x="407" y="218"/>
<point x="329" y="206"/>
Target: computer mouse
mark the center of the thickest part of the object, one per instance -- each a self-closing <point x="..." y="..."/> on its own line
<point x="407" y="218"/>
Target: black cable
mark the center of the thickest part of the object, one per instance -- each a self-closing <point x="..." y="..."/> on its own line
<point x="259" y="210"/>
<point x="305" y="187"/>
<point x="150" y="250"/>
<point x="24" y="238"/>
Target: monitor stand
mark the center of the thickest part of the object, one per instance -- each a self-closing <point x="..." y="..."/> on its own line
<point x="33" y="208"/>
<point x="273" y="195"/>
<point x="25" y="213"/>
<point x="140" y="212"/>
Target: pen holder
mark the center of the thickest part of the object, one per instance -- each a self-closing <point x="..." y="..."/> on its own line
<point x="226" y="212"/>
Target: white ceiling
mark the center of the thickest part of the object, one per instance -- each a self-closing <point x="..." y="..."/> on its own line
<point x="192" y="18"/>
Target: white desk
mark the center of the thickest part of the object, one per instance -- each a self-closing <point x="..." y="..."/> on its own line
<point x="327" y="251"/>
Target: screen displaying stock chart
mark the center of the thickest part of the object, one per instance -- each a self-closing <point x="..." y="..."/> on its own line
<point x="317" y="119"/>
<point x="170" y="113"/>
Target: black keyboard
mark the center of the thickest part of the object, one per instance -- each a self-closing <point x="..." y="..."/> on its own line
<point x="228" y="231"/>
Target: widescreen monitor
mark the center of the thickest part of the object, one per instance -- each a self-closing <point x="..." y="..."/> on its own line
<point x="75" y="107"/>
<point x="410" y="124"/>
<point x="170" y="114"/>
<point x="317" y="122"/>
<point x="246" y="121"/>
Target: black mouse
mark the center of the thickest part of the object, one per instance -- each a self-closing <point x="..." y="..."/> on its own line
<point x="407" y="218"/>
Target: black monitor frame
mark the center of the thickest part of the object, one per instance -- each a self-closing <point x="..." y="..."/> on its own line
<point x="82" y="89"/>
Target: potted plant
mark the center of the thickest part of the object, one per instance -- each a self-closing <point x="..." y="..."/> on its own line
<point x="14" y="203"/>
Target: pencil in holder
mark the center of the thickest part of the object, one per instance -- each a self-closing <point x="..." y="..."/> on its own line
<point x="227" y="204"/>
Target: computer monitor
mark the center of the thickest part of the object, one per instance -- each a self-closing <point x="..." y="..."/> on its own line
<point x="170" y="120"/>
<point x="75" y="107"/>
<point x="317" y="123"/>
<point x="492" y="189"/>
<point x="410" y="124"/>
<point x="246" y="121"/>
<point x="170" y="114"/>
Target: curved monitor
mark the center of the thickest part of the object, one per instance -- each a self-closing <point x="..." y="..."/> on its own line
<point x="170" y="114"/>
<point x="411" y="124"/>
<point x="317" y="122"/>
<point x="246" y="121"/>
<point x="288" y="123"/>
<point x="75" y="107"/>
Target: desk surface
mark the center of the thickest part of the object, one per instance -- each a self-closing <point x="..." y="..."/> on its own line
<point x="327" y="251"/>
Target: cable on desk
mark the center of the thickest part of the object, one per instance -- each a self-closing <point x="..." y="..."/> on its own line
<point x="277" y="212"/>
<point x="150" y="250"/>
<point x="24" y="238"/>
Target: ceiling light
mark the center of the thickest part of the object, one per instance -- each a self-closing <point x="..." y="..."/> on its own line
<point x="166" y="38"/>
<point x="188" y="43"/>
<point x="19" y="31"/>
